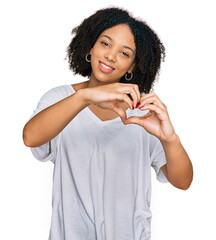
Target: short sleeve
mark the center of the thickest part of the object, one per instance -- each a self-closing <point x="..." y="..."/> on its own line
<point x="47" y="151"/>
<point x="158" y="158"/>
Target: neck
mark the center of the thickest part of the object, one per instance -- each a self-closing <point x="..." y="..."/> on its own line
<point x="93" y="82"/>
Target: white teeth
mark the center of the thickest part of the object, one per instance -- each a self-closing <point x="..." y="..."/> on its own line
<point x="105" y="66"/>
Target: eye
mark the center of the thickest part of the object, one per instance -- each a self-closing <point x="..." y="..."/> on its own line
<point x="125" y="54"/>
<point x="104" y="43"/>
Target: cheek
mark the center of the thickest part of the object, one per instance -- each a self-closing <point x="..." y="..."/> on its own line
<point x="95" y="55"/>
<point x="96" y="49"/>
<point x="94" y="59"/>
<point x="124" y="65"/>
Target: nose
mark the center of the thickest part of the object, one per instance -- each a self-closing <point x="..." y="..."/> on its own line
<point x="110" y="55"/>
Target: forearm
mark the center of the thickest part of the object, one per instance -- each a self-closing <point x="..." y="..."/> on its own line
<point x="179" y="166"/>
<point x="48" y="123"/>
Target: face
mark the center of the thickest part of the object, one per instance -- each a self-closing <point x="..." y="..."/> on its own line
<point x="113" y="54"/>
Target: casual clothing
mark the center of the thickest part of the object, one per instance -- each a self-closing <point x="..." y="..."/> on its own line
<point x="102" y="175"/>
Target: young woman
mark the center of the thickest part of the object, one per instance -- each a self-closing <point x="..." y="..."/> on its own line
<point x="103" y="135"/>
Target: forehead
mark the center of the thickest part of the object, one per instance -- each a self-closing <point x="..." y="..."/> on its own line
<point x="121" y="34"/>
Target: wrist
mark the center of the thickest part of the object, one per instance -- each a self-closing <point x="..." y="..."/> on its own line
<point x="172" y="140"/>
<point x="83" y="94"/>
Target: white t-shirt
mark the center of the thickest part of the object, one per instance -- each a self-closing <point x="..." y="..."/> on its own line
<point x="102" y="175"/>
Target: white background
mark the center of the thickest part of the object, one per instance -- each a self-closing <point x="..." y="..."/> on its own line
<point x="34" y="37"/>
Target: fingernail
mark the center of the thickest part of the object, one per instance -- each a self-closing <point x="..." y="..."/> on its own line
<point x="138" y="104"/>
<point x="133" y="107"/>
<point x="140" y="107"/>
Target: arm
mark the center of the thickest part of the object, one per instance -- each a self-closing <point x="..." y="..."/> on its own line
<point x="44" y="126"/>
<point x="178" y="170"/>
<point x="49" y="122"/>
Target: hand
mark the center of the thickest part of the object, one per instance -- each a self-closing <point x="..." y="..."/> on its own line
<point x="109" y="96"/>
<point x="156" y="121"/>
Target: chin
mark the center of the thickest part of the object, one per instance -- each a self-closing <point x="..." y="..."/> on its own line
<point x="103" y="78"/>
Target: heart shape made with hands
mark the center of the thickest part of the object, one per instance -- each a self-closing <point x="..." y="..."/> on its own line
<point x="156" y="121"/>
<point x="138" y="119"/>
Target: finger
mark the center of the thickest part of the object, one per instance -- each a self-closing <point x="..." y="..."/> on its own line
<point x="148" y="95"/>
<point x="153" y="95"/>
<point x="147" y="114"/>
<point x="152" y="99"/>
<point x="125" y="98"/>
<point x="138" y="120"/>
<point x="133" y="90"/>
<point x="162" y="114"/>
<point x="137" y="92"/>
<point x="134" y="96"/>
<point x="134" y="120"/>
<point x="121" y="112"/>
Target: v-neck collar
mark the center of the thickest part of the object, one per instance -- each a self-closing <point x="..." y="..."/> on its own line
<point x="95" y="118"/>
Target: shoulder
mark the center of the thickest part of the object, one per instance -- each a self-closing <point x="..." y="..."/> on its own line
<point x="63" y="90"/>
<point x="57" y="93"/>
<point x="80" y="85"/>
<point x="53" y="96"/>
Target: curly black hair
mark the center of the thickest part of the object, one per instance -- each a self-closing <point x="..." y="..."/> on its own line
<point x="149" y="49"/>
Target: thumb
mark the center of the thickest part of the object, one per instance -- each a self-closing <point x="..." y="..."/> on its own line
<point x="135" y="120"/>
<point x="121" y="112"/>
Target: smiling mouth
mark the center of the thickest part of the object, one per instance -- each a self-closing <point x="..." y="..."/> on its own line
<point x="105" y="68"/>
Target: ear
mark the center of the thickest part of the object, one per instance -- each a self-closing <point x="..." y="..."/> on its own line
<point x="90" y="51"/>
<point x="131" y="68"/>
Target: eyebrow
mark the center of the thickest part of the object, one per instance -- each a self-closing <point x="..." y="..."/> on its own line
<point x="112" y="40"/>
